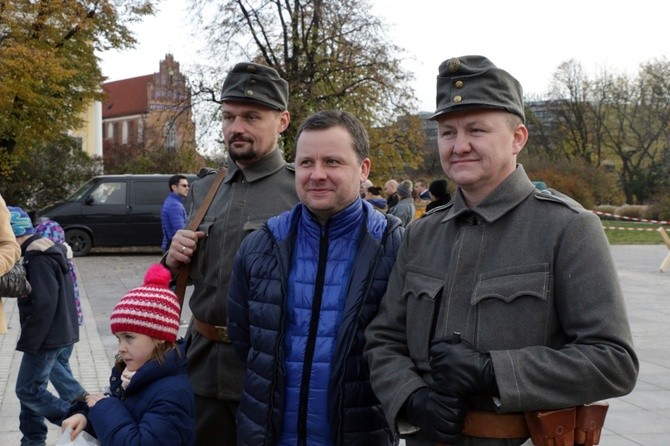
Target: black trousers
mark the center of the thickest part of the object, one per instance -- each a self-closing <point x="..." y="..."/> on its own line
<point x="215" y="422"/>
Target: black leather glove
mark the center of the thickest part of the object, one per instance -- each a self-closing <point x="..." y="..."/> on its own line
<point x="460" y="370"/>
<point x="440" y="417"/>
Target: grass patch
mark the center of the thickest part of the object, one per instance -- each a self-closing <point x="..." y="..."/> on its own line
<point x="632" y="237"/>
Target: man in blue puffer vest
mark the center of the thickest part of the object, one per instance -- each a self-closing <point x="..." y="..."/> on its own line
<point x="303" y="289"/>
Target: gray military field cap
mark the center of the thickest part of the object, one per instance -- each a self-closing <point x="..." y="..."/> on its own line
<point x="252" y="82"/>
<point x="470" y="82"/>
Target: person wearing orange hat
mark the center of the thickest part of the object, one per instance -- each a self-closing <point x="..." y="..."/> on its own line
<point x="150" y="399"/>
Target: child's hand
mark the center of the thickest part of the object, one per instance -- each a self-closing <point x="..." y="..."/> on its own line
<point x="77" y="422"/>
<point x="93" y="398"/>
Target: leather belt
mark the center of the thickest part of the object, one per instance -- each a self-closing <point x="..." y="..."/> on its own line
<point x="493" y="425"/>
<point x="216" y="333"/>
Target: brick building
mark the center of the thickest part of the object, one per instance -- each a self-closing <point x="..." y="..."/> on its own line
<point x="148" y="114"/>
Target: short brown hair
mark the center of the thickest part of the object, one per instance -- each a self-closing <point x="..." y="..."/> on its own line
<point x="324" y="120"/>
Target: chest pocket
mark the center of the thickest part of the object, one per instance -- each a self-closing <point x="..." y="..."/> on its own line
<point x="422" y="295"/>
<point x="513" y="307"/>
<point x="205" y="251"/>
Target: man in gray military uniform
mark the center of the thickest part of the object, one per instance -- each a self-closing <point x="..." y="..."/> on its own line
<point x="257" y="185"/>
<point x="506" y="300"/>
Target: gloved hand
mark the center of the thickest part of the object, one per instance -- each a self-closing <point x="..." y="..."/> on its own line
<point x="460" y="370"/>
<point x="440" y="417"/>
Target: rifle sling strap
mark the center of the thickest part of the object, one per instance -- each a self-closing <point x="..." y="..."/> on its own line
<point x="184" y="268"/>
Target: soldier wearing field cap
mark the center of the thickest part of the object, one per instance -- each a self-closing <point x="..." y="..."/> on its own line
<point x="258" y="184"/>
<point x="503" y="302"/>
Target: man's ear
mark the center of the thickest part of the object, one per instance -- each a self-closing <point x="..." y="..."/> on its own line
<point x="365" y="169"/>
<point x="520" y="138"/>
<point x="284" y="121"/>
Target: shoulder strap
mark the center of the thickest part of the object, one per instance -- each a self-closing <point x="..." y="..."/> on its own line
<point x="184" y="268"/>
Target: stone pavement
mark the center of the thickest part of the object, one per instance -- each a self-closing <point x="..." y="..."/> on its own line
<point x="103" y="280"/>
<point x="641" y="418"/>
<point x="89" y="362"/>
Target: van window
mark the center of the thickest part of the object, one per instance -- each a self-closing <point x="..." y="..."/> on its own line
<point x="110" y="193"/>
<point x="81" y="191"/>
<point x="146" y="192"/>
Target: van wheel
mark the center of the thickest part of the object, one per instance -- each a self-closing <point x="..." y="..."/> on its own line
<point x="79" y="241"/>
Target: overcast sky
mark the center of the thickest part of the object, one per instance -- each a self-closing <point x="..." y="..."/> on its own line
<point x="528" y="38"/>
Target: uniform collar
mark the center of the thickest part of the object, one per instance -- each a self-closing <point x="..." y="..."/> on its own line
<point x="505" y="197"/>
<point x="256" y="171"/>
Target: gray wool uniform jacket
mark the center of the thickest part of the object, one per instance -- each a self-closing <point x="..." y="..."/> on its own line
<point x="244" y="201"/>
<point x="527" y="276"/>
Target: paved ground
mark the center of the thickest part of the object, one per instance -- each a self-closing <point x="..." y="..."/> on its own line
<point x="641" y="418"/>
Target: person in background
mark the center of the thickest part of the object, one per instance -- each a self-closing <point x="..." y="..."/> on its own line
<point x="173" y="213"/>
<point x="258" y="184"/>
<point x="519" y="301"/>
<point x="365" y="185"/>
<point x="54" y="232"/>
<point x="303" y="289"/>
<point x="149" y="400"/>
<point x="421" y="190"/>
<point x="10" y="251"/>
<point x="421" y="197"/>
<point x="49" y="330"/>
<point x="61" y="376"/>
<point x="374" y="197"/>
<point x="439" y="194"/>
<point x="390" y="189"/>
<point x="405" y="209"/>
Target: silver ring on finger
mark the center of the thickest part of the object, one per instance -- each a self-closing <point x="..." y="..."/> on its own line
<point x="183" y="248"/>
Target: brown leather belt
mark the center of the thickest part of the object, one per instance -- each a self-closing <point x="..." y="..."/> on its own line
<point x="216" y="333"/>
<point x="493" y="425"/>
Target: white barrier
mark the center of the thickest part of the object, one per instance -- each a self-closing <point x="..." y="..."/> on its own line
<point x="664" y="235"/>
<point x="621" y="228"/>
<point x="666" y="239"/>
<point x="622" y="217"/>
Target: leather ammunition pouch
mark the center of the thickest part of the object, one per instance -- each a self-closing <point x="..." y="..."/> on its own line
<point x="567" y="427"/>
<point x="552" y="427"/>
<point x="589" y="423"/>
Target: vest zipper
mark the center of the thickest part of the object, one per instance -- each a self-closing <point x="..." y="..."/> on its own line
<point x="311" y="339"/>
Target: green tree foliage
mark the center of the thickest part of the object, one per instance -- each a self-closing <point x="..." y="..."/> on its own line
<point x="48" y="69"/>
<point x="587" y="184"/>
<point x="49" y="74"/>
<point x="138" y="159"/>
<point x="637" y="130"/>
<point x="613" y="121"/>
<point x="334" y="54"/>
<point x="388" y="163"/>
<point x="577" y="102"/>
<point x="47" y="174"/>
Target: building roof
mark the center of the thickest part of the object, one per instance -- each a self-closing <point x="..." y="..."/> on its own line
<point x="126" y="97"/>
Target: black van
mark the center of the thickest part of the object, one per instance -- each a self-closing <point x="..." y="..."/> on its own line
<point x="113" y="210"/>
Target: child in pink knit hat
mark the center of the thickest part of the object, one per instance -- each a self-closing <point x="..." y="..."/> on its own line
<point x="150" y="400"/>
